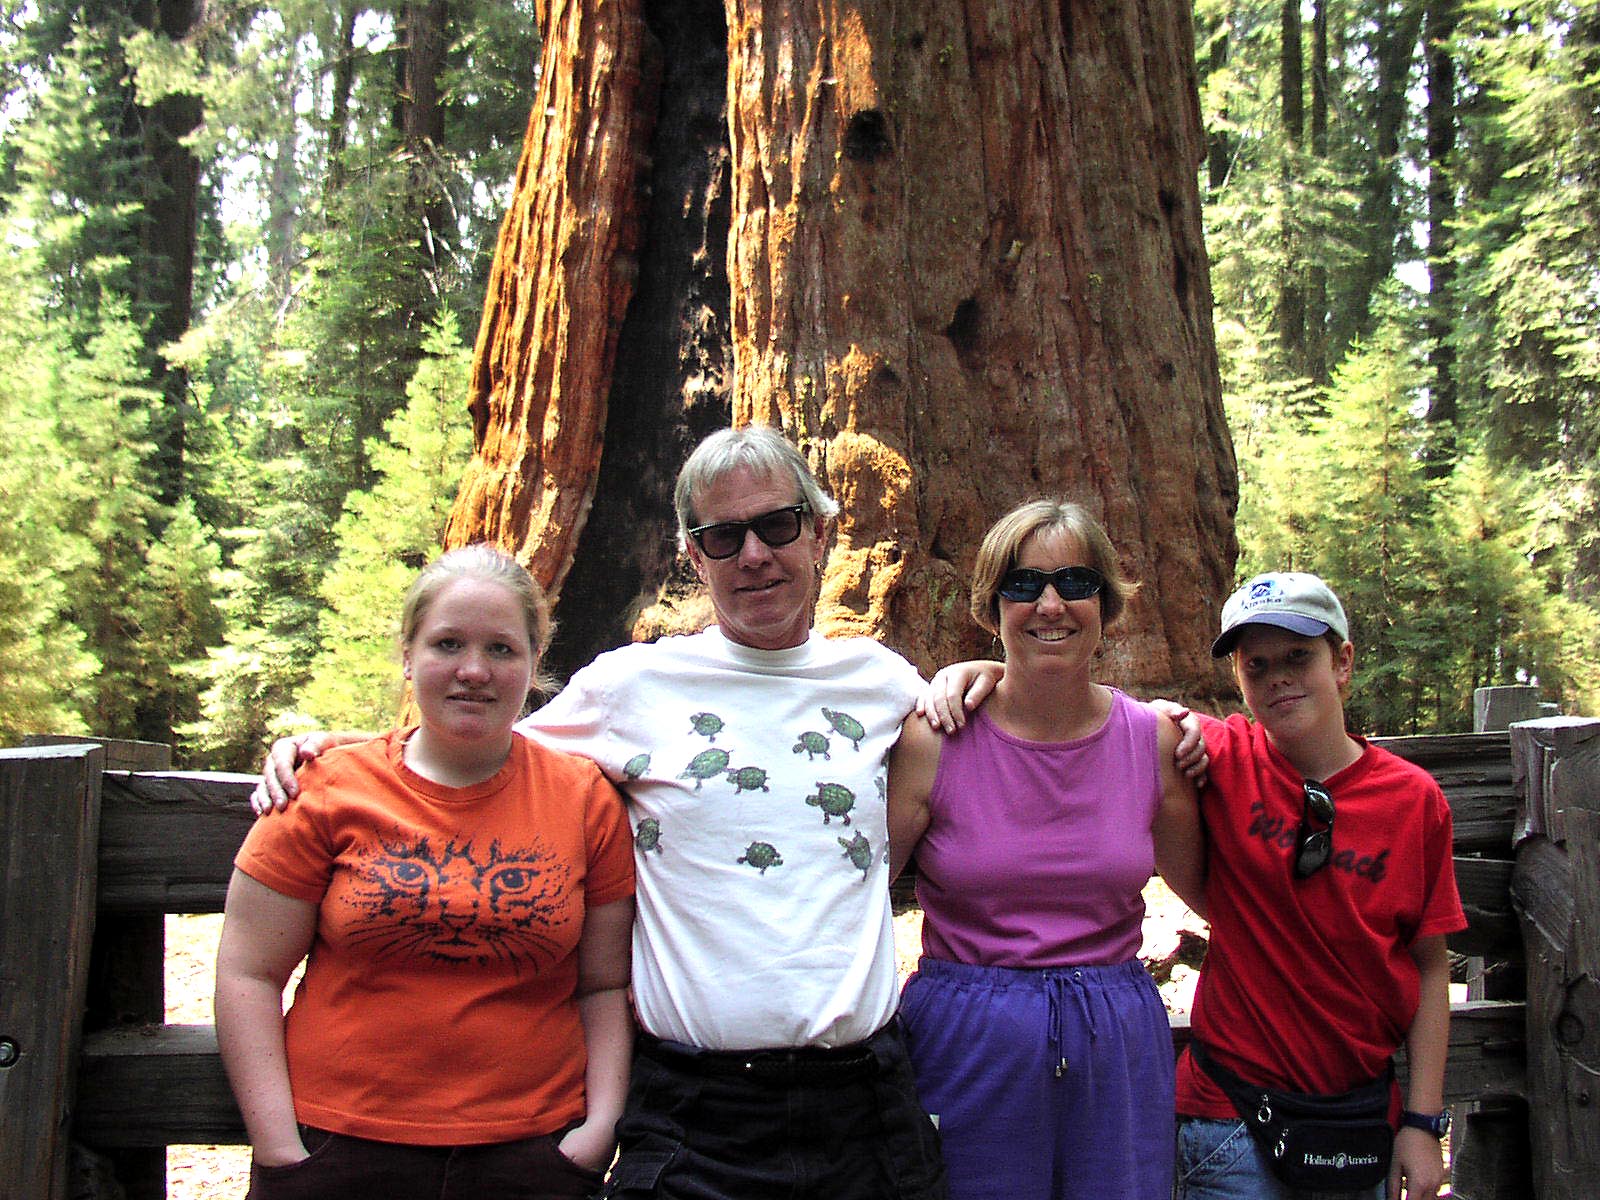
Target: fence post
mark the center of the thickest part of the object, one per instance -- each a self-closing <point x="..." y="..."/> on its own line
<point x="1555" y="891"/>
<point x="1490" y="1158"/>
<point x="127" y="979"/>
<point x="49" y="839"/>
<point x="1502" y="706"/>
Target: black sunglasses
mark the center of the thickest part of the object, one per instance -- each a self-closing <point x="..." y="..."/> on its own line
<point x="1313" y="848"/>
<point x="1024" y="585"/>
<point x="724" y="539"/>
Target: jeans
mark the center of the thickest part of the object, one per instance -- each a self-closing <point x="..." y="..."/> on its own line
<point x="1219" y="1160"/>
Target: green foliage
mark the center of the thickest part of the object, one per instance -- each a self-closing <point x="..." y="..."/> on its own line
<point x="74" y="177"/>
<point x="386" y="535"/>
<point x="1439" y="578"/>
<point x="1529" y="335"/>
<point x="42" y="657"/>
<point x="1458" y="571"/>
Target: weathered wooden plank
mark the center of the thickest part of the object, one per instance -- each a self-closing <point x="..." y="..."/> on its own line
<point x="1492" y="931"/>
<point x="1488" y="1044"/>
<point x="158" y="1085"/>
<point x="1556" y="893"/>
<point x="1484" y="816"/>
<point x="49" y="819"/>
<point x="121" y="754"/>
<point x="167" y="841"/>
<point x="127" y="983"/>
<point x="1452" y="751"/>
<point x="1474" y="770"/>
<point x="164" y="1085"/>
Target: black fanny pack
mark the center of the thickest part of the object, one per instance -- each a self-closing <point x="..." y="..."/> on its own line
<point x="1316" y="1143"/>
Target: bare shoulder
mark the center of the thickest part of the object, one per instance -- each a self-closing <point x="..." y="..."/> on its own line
<point x="919" y="740"/>
<point x="1168" y="734"/>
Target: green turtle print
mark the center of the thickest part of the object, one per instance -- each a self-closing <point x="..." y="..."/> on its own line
<point x="706" y="765"/>
<point x="835" y="800"/>
<point x="648" y="836"/>
<point x="747" y="779"/>
<point x="845" y="726"/>
<point x="811" y="744"/>
<point x="761" y="855"/>
<point x="707" y="725"/>
<point x="859" y="851"/>
<point x="636" y="766"/>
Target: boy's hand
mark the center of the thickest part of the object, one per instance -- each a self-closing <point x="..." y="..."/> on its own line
<point x="1191" y="755"/>
<point x="1418" y="1166"/>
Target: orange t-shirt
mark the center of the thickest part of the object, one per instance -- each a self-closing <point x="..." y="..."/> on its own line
<point x="437" y="1005"/>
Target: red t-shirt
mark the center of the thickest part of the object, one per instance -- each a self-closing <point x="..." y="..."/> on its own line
<point x="437" y="1005"/>
<point x="1309" y="985"/>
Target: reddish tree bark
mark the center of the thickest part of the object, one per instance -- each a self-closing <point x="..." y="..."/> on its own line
<point x="964" y="268"/>
<point x="560" y="283"/>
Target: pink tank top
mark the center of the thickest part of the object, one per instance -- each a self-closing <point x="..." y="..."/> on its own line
<point x="1037" y="853"/>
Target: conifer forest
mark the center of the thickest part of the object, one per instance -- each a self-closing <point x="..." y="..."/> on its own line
<point x="245" y="255"/>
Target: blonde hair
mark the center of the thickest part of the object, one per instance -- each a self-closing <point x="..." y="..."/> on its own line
<point x="1003" y="542"/>
<point x="487" y="564"/>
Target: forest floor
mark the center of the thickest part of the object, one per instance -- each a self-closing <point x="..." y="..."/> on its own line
<point x="223" y="1172"/>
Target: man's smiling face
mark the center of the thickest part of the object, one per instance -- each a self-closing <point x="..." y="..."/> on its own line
<point x="763" y="595"/>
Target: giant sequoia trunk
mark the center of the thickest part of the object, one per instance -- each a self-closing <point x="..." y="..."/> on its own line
<point x="952" y="247"/>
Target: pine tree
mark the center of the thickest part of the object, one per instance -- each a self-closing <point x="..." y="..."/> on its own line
<point x="43" y="659"/>
<point x="386" y="535"/>
<point x="1529" y="335"/>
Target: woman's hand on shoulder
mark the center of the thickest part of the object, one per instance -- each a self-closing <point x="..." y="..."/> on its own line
<point x="956" y="690"/>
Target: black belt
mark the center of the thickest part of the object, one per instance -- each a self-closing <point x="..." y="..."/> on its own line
<point x="802" y="1064"/>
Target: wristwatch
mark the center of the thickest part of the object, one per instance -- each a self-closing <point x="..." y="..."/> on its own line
<point x="1437" y="1125"/>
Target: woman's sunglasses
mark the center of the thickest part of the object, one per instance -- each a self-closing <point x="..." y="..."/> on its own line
<point x="726" y="538"/>
<point x="1313" y="847"/>
<point x="1024" y="585"/>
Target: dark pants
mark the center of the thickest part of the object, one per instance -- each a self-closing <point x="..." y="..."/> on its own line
<point x="776" y="1125"/>
<point x="342" y="1168"/>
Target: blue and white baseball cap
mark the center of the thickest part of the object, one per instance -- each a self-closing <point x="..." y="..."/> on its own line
<point x="1290" y="600"/>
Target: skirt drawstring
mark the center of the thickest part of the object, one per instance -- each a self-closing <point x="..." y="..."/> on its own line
<point x="1057" y="987"/>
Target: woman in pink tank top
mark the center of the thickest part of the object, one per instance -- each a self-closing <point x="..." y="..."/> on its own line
<point x="1038" y="1038"/>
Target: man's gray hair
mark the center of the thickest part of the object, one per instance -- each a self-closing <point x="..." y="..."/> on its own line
<point x="761" y="450"/>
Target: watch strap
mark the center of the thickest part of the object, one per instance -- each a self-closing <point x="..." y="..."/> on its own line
<point x="1437" y="1124"/>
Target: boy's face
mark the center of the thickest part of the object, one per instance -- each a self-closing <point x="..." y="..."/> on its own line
<point x="1292" y="683"/>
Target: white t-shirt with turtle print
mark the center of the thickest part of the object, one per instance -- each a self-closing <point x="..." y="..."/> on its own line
<point x="756" y="785"/>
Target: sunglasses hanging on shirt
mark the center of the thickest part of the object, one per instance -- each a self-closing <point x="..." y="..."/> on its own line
<point x="1313" y="845"/>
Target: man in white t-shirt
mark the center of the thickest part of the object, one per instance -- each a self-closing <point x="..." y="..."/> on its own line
<point x="754" y="759"/>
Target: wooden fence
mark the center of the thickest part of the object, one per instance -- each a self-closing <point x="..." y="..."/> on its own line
<point x="99" y="843"/>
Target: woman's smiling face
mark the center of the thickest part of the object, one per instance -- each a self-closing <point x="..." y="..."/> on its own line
<point x="1051" y="631"/>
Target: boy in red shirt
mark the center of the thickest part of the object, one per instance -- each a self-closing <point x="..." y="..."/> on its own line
<point x="1330" y="890"/>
